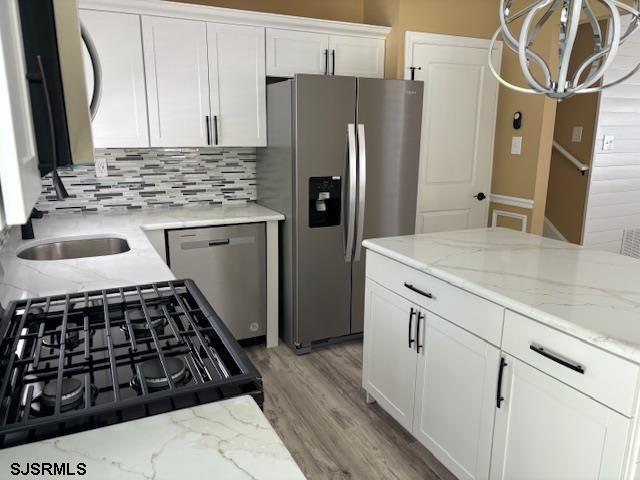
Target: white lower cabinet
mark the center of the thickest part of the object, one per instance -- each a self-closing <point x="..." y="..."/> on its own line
<point x="390" y="357"/>
<point x="455" y="402"/>
<point x="437" y="380"/>
<point x="532" y="403"/>
<point x="545" y="429"/>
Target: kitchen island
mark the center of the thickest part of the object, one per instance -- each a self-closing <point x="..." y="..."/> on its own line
<point x="228" y="440"/>
<point x="513" y="348"/>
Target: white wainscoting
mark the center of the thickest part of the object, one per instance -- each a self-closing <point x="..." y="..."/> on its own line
<point x="503" y="213"/>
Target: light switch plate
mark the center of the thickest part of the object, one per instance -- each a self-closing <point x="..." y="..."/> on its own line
<point x="101" y="168"/>
<point x="516" y="145"/>
<point x="576" y="136"/>
<point x="608" y="142"/>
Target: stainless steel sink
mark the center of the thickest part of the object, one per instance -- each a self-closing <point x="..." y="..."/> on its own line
<point x="81" y="248"/>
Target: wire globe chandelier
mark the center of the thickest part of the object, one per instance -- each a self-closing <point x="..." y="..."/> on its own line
<point x="585" y="79"/>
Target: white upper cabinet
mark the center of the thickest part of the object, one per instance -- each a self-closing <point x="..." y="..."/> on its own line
<point x="547" y="430"/>
<point x="181" y="75"/>
<point x="177" y="69"/>
<point x="290" y="52"/>
<point x="121" y="119"/>
<point x="455" y="396"/>
<point x="356" y="56"/>
<point x="19" y="173"/>
<point x="238" y="85"/>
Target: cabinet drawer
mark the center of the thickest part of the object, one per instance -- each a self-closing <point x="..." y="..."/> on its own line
<point x="474" y="314"/>
<point x="605" y="377"/>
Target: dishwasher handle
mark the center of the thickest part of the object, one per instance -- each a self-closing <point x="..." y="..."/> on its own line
<point x="217" y="243"/>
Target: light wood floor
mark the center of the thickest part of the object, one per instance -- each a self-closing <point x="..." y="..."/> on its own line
<point x="316" y="404"/>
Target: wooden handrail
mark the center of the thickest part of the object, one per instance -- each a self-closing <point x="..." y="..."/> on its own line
<point x="582" y="168"/>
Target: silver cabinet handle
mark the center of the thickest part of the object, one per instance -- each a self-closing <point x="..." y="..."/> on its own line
<point x="362" y="188"/>
<point x="350" y="221"/>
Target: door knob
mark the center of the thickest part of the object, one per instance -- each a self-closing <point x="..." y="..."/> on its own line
<point x="481" y="196"/>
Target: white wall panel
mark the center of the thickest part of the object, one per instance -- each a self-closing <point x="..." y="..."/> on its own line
<point x="614" y="193"/>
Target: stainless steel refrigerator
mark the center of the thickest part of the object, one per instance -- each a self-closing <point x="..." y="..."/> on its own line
<point x="342" y="166"/>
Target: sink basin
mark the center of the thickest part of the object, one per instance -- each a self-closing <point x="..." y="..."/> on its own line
<point x="81" y="248"/>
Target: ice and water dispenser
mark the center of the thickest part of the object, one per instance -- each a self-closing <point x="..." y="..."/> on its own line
<point x="325" y="203"/>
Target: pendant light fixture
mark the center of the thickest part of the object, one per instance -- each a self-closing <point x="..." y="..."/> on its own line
<point x="586" y="78"/>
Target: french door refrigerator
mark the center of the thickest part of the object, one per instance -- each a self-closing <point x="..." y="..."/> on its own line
<point x="342" y="166"/>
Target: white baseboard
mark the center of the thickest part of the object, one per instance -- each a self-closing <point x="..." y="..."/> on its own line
<point x="550" y="231"/>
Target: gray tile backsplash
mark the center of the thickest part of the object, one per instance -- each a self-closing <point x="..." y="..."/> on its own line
<point x="150" y="178"/>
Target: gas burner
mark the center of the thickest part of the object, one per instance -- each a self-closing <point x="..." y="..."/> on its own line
<point x="72" y="338"/>
<point x="71" y="396"/>
<point x="139" y="320"/>
<point x="124" y="365"/>
<point x="154" y="376"/>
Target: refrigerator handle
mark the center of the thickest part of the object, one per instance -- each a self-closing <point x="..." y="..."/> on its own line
<point x="362" y="188"/>
<point x="351" y="170"/>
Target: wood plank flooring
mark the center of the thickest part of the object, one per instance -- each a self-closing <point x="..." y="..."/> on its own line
<point x="316" y="404"/>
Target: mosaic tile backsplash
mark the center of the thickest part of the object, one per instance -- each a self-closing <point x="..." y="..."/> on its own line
<point x="151" y="178"/>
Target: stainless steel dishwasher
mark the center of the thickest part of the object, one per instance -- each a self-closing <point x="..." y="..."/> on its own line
<point x="229" y="265"/>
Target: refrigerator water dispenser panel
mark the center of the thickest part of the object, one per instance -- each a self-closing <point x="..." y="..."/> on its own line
<point x="325" y="203"/>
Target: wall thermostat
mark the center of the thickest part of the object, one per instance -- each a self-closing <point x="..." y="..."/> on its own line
<point x="517" y="120"/>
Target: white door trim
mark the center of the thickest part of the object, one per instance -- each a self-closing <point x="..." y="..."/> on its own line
<point x="512" y="201"/>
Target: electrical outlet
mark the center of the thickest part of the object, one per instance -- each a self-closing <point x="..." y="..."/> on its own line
<point x="516" y="145"/>
<point x="607" y="142"/>
<point x="576" y="137"/>
<point x="101" y="168"/>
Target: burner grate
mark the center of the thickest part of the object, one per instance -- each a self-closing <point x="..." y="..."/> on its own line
<point x="88" y="340"/>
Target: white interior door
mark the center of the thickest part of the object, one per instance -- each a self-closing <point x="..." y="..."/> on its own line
<point x="458" y="129"/>
<point x="19" y="173"/>
<point x="546" y="430"/>
<point x="177" y="69"/>
<point x="121" y="119"/>
<point x="238" y="84"/>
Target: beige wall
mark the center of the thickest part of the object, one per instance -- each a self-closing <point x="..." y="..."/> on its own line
<point x="469" y="18"/>
<point x="567" y="193"/>
<point x="343" y="10"/>
<point x="523" y="176"/>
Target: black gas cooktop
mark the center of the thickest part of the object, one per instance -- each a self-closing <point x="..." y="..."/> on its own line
<point x="84" y="360"/>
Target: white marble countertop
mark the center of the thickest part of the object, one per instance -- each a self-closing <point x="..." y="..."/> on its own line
<point x="592" y="295"/>
<point x="227" y="440"/>
<point x="142" y="264"/>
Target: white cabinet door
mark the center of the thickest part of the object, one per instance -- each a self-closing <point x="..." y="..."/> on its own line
<point x="290" y="52"/>
<point x="389" y="371"/>
<point x="356" y="56"/>
<point x="456" y="384"/>
<point x="238" y="85"/>
<point x="177" y="77"/>
<point x="547" y="430"/>
<point x="19" y="173"/>
<point x="121" y="119"/>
